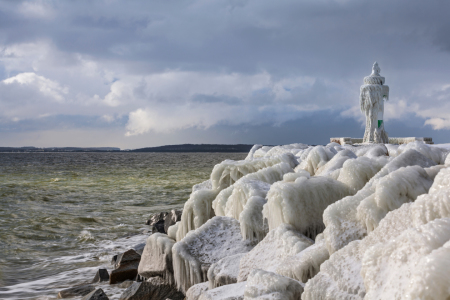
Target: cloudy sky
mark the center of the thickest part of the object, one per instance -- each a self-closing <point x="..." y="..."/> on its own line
<point x="133" y="74"/>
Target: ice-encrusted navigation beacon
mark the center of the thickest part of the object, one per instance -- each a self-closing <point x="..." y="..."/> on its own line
<point x="372" y="97"/>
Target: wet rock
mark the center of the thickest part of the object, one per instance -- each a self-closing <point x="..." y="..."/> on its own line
<point x="124" y="272"/>
<point x="102" y="275"/>
<point x="126" y="284"/>
<point x="171" y="218"/>
<point x="155" y="218"/>
<point x="158" y="227"/>
<point x="129" y="256"/>
<point x="114" y="259"/>
<point x="155" y="288"/>
<point x="80" y="290"/>
<point x="98" y="294"/>
<point x="139" y="248"/>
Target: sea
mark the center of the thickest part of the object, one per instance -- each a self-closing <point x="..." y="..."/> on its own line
<point x="64" y="215"/>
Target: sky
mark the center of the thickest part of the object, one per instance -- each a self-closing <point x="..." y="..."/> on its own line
<point x="135" y="74"/>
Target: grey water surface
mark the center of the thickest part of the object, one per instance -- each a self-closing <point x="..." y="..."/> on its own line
<point x="63" y="215"/>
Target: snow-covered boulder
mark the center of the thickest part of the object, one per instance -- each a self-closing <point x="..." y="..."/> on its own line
<point x="156" y="259"/>
<point x="268" y="285"/>
<point x="195" y="291"/>
<point x="301" y="203"/>
<point x="317" y="157"/>
<point x="340" y="218"/>
<point x="305" y="264"/>
<point x="227" y="292"/>
<point x="279" y="244"/>
<point x="436" y="154"/>
<point x="225" y="271"/>
<point x="194" y="254"/>
<point x="340" y="276"/>
<point x="335" y="163"/>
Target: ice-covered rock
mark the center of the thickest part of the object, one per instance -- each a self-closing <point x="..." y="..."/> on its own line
<point x="301" y="203"/>
<point x="226" y="292"/>
<point x="156" y="258"/>
<point x="252" y="151"/>
<point x="436" y="154"/>
<point x="340" y="275"/>
<point x="305" y="264"/>
<point x="316" y="158"/>
<point x="244" y="200"/>
<point x="172" y="230"/>
<point x="340" y="218"/>
<point x="198" y="208"/>
<point x="406" y="267"/>
<point x="268" y="285"/>
<point x="195" y="291"/>
<point x="194" y="254"/>
<point x="225" y="271"/>
<point x="335" y="163"/>
<point x="205" y="185"/>
<point x="228" y="172"/>
<point x="280" y="243"/>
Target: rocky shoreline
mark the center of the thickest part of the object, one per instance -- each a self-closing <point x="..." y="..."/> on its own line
<point x="298" y="222"/>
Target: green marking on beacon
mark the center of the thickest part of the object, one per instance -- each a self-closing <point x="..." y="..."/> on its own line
<point x="379" y="123"/>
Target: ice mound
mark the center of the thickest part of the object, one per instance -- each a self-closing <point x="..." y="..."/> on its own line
<point x="279" y="150"/>
<point x="317" y="157"/>
<point x="301" y="203"/>
<point x="205" y="185"/>
<point x="197" y="210"/>
<point x="305" y="264"/>
<point x="340" y="275"/>
<point x="391" y="191"/>
<point x="225" y="271"/>
<point x="335" y="163"/>
<point x="172" y="231"/>
<point x="395" y="269"/>
<point x="244" y="200"/>
<point x="228" y="172"/>
<point x="195" y="291"/>
<point x="156" y="259"/>
<point x="226" y="292"/>
<point x="340" y="218"/>
<point x="252" y="151"/>
<point x="194" y="254"/>
<point x="280" y="243"/>
<point x="267" y="285"/>
<point x="438" y="155"/>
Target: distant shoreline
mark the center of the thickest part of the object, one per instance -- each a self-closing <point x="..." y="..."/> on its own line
<point x="235" y="148"/>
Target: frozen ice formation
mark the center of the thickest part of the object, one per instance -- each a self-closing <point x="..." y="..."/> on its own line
<point x="156" y="259"/>
<point x="372" y="96"/>
<point x="340" y="218"/>
<point x="244" y="200"/>
<point x="225" y="271"/>
<point x="370" y="221"/>
<point x="279" y="244"/>
<point x="268" y="285"/>
<point x="198" y="208"/>
<point x="219" y="237"/>
<point x="342" y="277"/>
<point x="301" y="203"/>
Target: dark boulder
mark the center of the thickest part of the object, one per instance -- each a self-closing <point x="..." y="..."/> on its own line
<point x="171" y="218"/>
<point x="155" y="218"/>
<point x="98" y="294"/>
<point x="155" y="288"/>
<point x="139" y="248"/>
<point x="158" y="227"/>
<point x="102" y="275"/>
<point x="128" y="256"/>
<point x="114" y="259"/>
<point x="76" y="291"/>
<point x="127" y="271"/>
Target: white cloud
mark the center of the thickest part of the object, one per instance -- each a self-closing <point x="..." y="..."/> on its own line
<point x="47" y="87"/>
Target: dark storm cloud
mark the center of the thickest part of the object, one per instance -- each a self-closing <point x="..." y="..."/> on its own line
<point x="200" y="64"/>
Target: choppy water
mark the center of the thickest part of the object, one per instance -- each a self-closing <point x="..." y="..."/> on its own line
<point x="63" y="215"/>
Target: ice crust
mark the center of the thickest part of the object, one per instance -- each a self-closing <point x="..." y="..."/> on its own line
<point x="198" y="208"/>
<point x="227" y="292"/>
<point x="301" y="203"/>
<point x="219" y="237"/>
<point x="340" y="276"/>
<point x="268" y="285"/>
<point x="279" y="244"/>
<point x="156" y="259"/>
<point x="225" y="271"/>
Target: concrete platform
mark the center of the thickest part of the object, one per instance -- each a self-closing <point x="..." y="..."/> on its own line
<point x="393" y="140"/>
